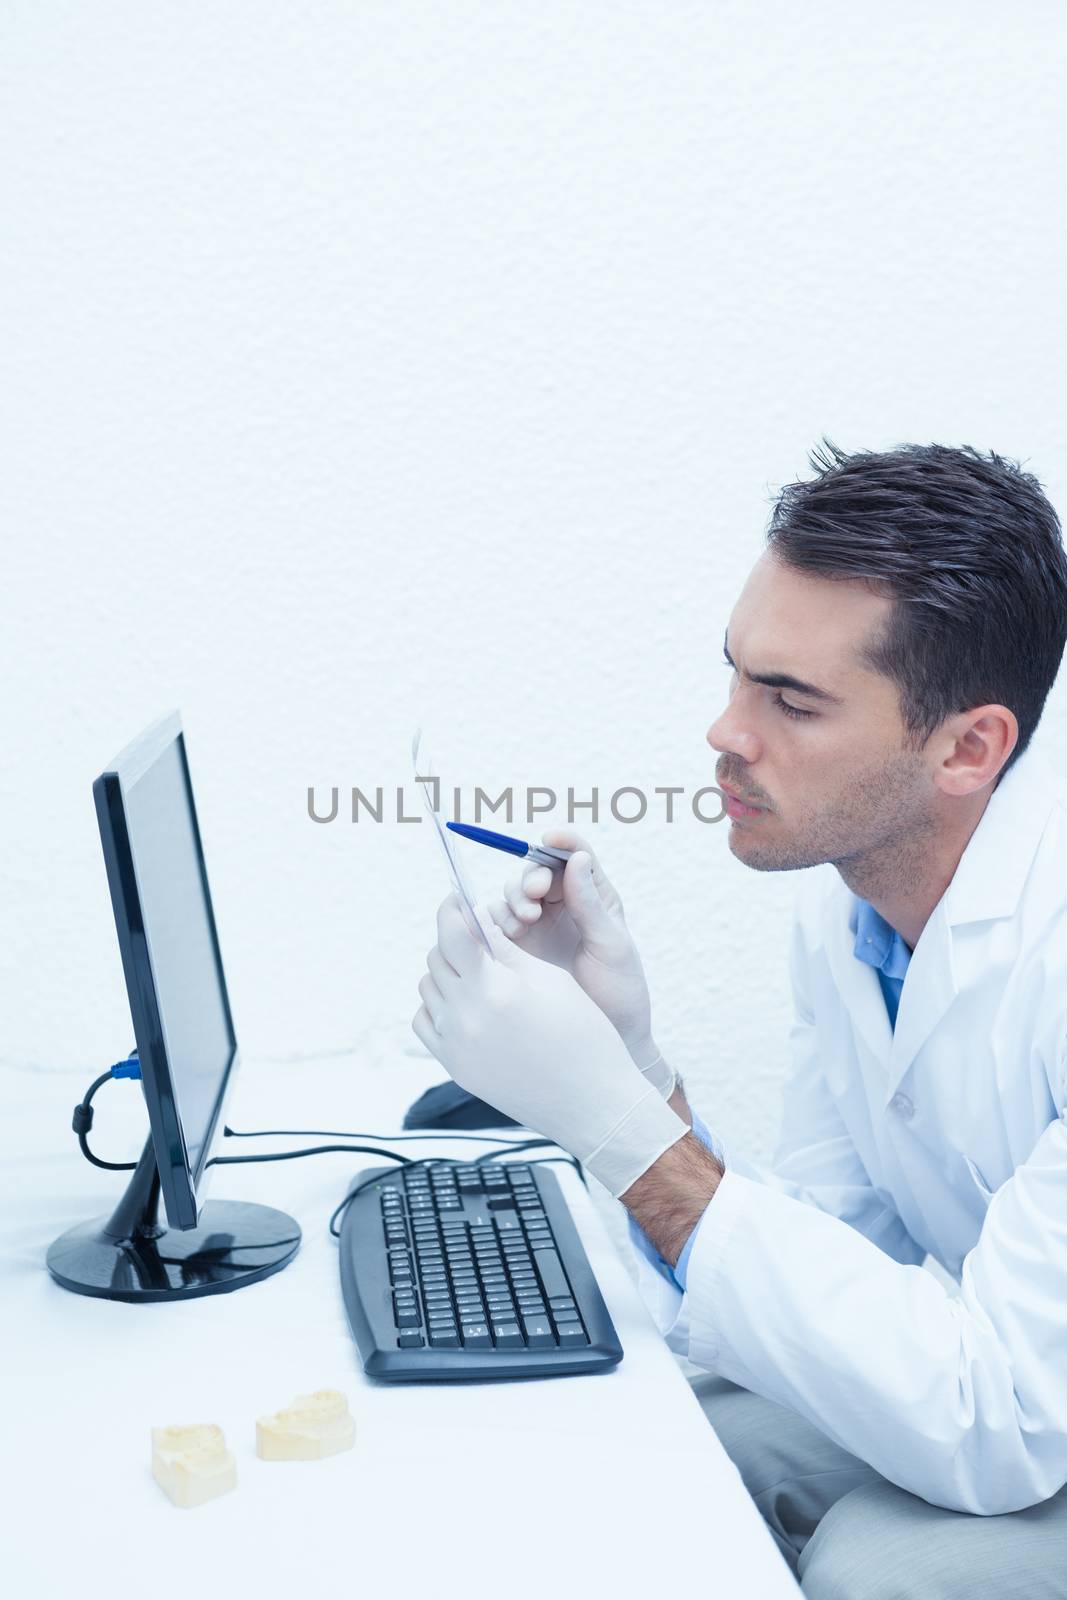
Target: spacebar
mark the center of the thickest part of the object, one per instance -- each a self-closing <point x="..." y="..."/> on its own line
<point x="552" y="1275"/>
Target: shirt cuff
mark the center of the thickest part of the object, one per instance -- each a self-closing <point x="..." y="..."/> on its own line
<point x="641" y="1241"/>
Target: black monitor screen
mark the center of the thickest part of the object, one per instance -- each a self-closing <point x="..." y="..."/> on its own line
<point x="170" y="949"/>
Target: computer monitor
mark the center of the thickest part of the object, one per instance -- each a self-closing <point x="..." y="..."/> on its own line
<point x="186" y="1045"/>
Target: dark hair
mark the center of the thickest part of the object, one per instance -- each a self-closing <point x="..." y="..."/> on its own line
<point x="969" y="549"/>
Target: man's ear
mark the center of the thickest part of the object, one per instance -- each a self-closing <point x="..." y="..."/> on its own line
<point x="978" y="743"/>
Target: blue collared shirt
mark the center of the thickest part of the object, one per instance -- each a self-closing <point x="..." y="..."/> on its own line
<point x="882" y="948"/>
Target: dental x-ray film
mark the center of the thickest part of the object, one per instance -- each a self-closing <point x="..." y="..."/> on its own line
<point x="428" y="779"/>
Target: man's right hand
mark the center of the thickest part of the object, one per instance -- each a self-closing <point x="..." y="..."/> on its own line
<point x="574" y="919"/>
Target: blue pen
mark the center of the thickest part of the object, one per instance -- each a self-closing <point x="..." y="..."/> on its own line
<point x="543" y="854"/>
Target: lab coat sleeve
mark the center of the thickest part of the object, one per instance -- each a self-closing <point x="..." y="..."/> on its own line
<point x="804" y="1288"/>
<point x="816" y="1164"/>
<point x="960" y="1400"/>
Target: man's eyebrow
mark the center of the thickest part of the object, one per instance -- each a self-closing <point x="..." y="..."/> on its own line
<point x="783" y="680"/>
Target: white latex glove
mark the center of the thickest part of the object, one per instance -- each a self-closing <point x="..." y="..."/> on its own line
<point x="574" y="919"/>
<point x="520" y="1034"/>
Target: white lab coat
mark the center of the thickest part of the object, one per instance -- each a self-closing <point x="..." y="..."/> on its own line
<point x="947" y="1137"/>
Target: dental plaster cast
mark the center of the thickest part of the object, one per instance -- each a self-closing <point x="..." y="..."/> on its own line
<point x="192" y="1464"/>
<point x="315" y="1425"/>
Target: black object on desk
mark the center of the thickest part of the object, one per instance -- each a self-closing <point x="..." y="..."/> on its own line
<point x="446" y="1105"/>
<point x="452" y="1272"/>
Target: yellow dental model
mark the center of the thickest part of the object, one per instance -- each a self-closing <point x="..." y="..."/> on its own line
<point x="192" y="1464"/>
<point x="315" y="1425"/>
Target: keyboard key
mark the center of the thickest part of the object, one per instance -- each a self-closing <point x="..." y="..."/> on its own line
<point x="442" y="1339"/>
<point x="476" y="1336"/>
<point x="538" y="1331"/>
<point x="562" y="1303"/>
<point x="507" y="1336"/>
<point x="552" y="1275"/>
<point x="410" y="1339"/>
<point x="407" y="1317"/>
<point x="565" y="1316"/>
<point x="571" y="1334"/>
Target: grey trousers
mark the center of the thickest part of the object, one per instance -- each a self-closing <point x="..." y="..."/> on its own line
<point x="848" y="1534"/>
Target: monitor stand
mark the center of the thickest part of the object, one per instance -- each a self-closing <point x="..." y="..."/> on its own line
<point x="131" y="1256"/>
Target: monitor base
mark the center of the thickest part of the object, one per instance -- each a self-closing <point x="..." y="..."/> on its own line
<point x="236" y="1243"/>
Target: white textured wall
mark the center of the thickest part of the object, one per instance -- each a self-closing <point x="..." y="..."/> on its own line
<point x="376" y="363"/>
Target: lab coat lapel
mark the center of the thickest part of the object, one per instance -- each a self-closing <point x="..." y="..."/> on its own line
<point x="928" y="991"/>
<point x="857" y="982"/>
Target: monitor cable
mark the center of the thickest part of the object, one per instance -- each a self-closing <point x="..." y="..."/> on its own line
<point x="82" y="1122"/>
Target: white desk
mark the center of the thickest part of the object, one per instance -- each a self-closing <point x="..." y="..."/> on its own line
<point x="612" y="1485"/>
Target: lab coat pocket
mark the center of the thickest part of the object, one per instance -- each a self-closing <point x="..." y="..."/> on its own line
<point x="980" y="1182"/>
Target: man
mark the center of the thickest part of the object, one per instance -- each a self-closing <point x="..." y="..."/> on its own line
<point x="891" y="653"/>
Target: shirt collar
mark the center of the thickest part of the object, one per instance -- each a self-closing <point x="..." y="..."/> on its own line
<point x="878" y="943"/>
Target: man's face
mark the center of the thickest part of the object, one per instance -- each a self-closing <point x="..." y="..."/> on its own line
<point x="828" y="771"/>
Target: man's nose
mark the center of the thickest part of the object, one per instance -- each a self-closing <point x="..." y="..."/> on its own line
<point x="730" y="736"/>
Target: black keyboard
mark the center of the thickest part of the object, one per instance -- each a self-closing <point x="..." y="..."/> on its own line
<point x="453" y="1272"/>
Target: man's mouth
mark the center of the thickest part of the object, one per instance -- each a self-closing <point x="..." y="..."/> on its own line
<point x="736" y="806"/>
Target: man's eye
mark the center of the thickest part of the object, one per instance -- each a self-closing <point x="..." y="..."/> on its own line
<point x="791" y="711"/>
